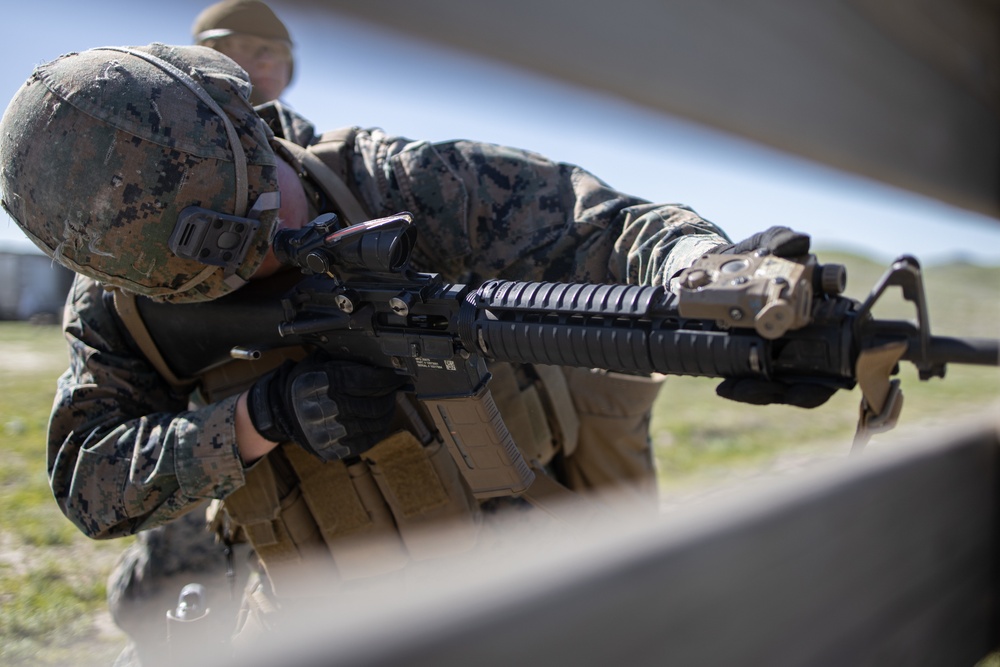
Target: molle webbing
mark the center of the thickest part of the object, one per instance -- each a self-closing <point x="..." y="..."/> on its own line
<point x="434" y="511"/>
<point x="407" y="476"/>
<point x="354" y="520"/>
<point x="258" y="511"/>
<point x="285" y="538"/>
<point x="315" y="524"/>
<point x="329" y="493"/>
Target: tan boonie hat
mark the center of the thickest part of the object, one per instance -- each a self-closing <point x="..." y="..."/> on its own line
<point x="104" y="153"/>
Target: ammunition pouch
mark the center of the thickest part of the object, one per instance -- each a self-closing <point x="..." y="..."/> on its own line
<point x="316" y="525"/>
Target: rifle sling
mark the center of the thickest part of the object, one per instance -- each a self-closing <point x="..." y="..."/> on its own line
<point x="128" y="312"/>
<point x="351" y="208"/>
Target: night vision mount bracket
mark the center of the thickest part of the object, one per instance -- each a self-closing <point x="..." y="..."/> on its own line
<point x="219" y="239"/>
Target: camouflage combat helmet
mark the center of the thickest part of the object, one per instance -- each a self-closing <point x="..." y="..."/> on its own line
<point x="145" y="168"/>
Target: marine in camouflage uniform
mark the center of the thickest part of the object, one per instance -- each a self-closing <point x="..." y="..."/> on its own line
<point x="151" y="572"/>
<point x="156" y="129"/>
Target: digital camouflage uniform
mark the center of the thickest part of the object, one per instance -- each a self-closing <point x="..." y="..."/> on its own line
<point x="128" y="453"/>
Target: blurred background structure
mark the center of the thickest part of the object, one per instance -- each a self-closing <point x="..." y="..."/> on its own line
<point x="906" y="92"/>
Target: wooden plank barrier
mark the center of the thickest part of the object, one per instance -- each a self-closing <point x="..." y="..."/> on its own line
<point x="887" y="558"/>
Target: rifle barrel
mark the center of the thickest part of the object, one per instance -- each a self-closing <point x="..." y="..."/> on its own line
<point x="944" y="349"/>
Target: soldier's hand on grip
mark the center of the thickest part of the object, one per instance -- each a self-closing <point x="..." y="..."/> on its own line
<point x="332" y="408"/>
<point x="779" y="241"/>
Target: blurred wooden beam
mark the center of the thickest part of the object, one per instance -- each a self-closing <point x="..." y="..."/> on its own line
<point x="902" y="91"/>
<point x="887" y="558"/>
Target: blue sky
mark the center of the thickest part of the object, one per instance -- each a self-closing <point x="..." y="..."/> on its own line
<point x="351" y="74"/>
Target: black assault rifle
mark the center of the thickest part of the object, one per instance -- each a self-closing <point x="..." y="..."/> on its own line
<point x="736" y="316"/>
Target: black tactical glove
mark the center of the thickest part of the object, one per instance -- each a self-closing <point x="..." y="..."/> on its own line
<point x="779" y="241"/>
<point x="333" y="409"/>
<point x="767" y="392"/>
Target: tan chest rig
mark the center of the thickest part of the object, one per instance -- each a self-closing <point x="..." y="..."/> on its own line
<point x="316" y="526"/>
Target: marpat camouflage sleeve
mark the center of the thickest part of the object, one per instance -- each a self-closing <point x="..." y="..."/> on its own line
<point x="513" y="214"/>
<point x="124" y="452"/>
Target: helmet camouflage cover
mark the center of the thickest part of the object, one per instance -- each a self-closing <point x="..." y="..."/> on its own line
<point x="101" y="150"/>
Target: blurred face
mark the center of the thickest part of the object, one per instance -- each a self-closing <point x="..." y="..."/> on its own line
<point x="267" y="61"/>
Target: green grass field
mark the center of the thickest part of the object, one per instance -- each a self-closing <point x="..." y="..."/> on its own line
<point x="52" y="578"/>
